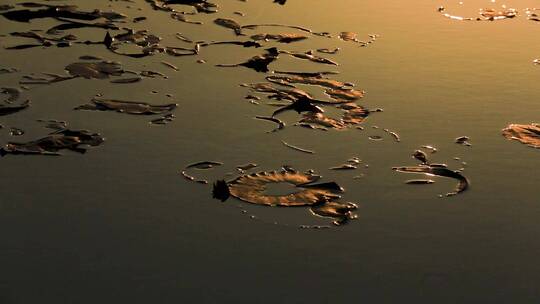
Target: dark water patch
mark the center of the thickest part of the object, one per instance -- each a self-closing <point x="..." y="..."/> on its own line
<point x="73" y="140"/>
<point x="526" y="134"/>
<point x="419" y="182"/>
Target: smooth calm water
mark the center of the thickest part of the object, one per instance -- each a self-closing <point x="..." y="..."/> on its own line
<point x="121" y="225"/>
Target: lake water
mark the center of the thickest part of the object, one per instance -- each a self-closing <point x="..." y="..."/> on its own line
<point x="120" y="224"/>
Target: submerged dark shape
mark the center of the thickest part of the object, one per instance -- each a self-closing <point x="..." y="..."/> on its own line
<point x="526" y="134"/>
<point x="58" y="11"/>
<point x="438" y="171"/>
<point x="129" y="107"/>
<point x="220" y="190"/>
<point x="320" y="197"/>
<point x="10" y="109"/>
<point x="300" y="105"/>
<point x="282" y="2"/>
<point x="419" y="182"/>
<point x="74" y="140"/>
<point x="245" y="44"/>
<point x="203" y="165"/>
<point x="258" y="63"/>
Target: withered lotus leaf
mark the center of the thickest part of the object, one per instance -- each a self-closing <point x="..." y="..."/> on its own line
<point x="251" y="188"/>
<point x="98" y="70"/>
<point x="129" y="107"/>
<point x="526" y="134"/>
<point x="74" y="140"/>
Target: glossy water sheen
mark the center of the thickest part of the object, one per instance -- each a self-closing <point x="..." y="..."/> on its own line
<point x="121" y="225"/>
